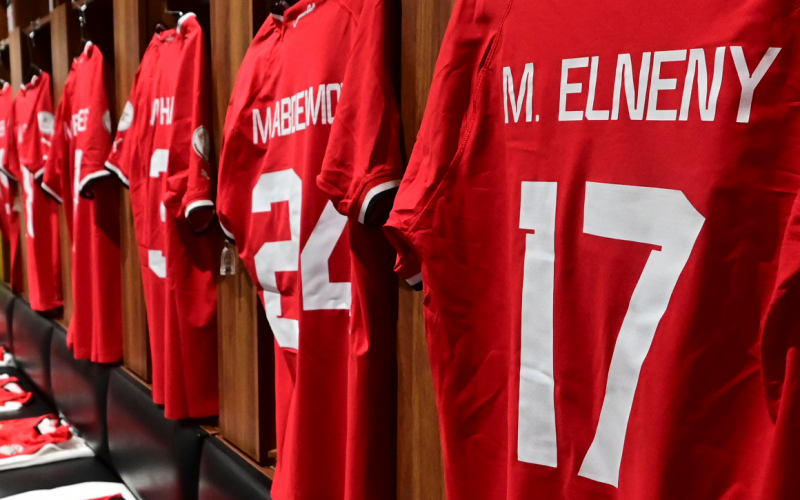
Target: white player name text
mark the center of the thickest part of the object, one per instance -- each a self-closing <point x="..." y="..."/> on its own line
<point x="295" y="113"/>
<point x="642" y="90"/>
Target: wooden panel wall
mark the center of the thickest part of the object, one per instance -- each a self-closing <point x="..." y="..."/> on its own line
<point x="420" y="467"/>
<point x="130" y="42"/>
<point x="64" y="39"/>
<point x="245" y="355"/>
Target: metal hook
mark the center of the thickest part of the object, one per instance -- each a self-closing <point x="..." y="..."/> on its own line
<point x="35" y="25"/>
<point x="173" y="12"/>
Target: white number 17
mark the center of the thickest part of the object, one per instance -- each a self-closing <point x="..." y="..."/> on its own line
<point x="661" y="217"/>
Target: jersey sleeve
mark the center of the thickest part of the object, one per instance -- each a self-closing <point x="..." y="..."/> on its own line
<point x="781" y="327"/>
<point x="363" y="162"/>
<point x="466" y="49"/>
<point x="238" y="148"/>
<point x="192" y="180"/>
<point x="94" y="144"/>
<point x="52" y="183"/>
<point x="34" y="149"/>
<point x="124" y="145"/>
<point x="45" y="121"/>
<point x="9" y="164"/>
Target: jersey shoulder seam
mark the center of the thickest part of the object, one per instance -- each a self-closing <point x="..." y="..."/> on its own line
<point x="471" y="116"/>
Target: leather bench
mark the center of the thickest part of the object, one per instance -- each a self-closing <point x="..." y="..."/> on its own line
<point x="79" y="391"/>
<point x="225" y="475"/>
<point x="6" y="311"/>
<point x="158" y="459"/>
<point x="31" y="335"/>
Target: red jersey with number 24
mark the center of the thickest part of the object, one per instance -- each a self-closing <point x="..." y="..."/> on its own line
<point x="312" y="140"/>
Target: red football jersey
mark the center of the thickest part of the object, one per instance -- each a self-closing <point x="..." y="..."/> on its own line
<point x="326" y="284"/>
<point x="162" y="151"/>
<point x="11" y="392"/>
<point x="34" y="122"/>
<point x="599" y="196"/>
<point x="9" y="210"/>
<point x="81" y="144"/>
<point x="26" y="436"/>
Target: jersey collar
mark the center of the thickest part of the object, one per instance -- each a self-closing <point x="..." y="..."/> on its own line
<point x="180" y="29"/>
<point x="292" y="15"/>
<point x="183" y="19"/>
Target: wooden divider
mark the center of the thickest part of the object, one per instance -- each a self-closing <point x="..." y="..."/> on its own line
<point x="247" y="409"/>
<point x="65" y="41"/>
<point x="130" y="42"/>
<point x="420" y="469"/>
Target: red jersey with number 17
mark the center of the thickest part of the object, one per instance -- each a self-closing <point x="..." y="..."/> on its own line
<point x="81" y="144"/>
<point x="601" y="198"/>
<point x="34" y="123"/>
<point x="312" y="130"/>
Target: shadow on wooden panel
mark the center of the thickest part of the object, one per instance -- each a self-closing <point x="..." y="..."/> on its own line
<point x="420" y="465"/>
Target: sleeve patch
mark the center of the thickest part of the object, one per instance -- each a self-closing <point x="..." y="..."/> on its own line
<point x="47" y="122"/>
<point x="126" y="120"/>
<point x="201" y="142"/>
<point x="107" y="121"/>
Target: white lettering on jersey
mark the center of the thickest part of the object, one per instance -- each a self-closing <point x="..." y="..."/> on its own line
<point x="570" y="88"/>
<point x="157" y="263"/>
<point x="21" y="131"/>
<point x="625" y="71"/>
<point x="80" y="122"/>
<point x="27" y="185"/>
<point x="163" y="110"/>
<point x="662" y="218"/>
<point x="2" y="128"/>
<point x="591" y="113"/>
<point x="159" y="162"/>
<point x="76" y="182"/>
<point x="295" y="113"/>
<point x="642" y="101"/>
<point x="748" y="81"/>
<point x="657" y="84"/>
<point x="525" y="93"/>
<point x="707" y="100"/>
<point x="319" y="293"/>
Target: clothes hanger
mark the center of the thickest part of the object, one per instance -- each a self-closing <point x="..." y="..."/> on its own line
<point x="33" y="69"/>
<point x="3" y="48"/>
<point x="82" y="20"/>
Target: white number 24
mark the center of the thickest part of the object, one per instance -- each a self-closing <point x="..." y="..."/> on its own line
<point x="661" y="217"/>
<point x="318" y="291"/>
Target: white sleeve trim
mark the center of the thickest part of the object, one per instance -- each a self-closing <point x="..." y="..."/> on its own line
<point x="39" y="174"/>
<point x="113" y="168"/>
<point x="227" y="233"/>
<point x="93" y="177"/>
<point x="52" y="193"/>
<point x="415" y="280"/>
<point x="9" y="174"/>
<point x="371" y="194"/>
<point x="196" y="205"/>
<point x="183" y="20"/>
<point x="80" y="491"/>
<point x="52" y="452"/>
